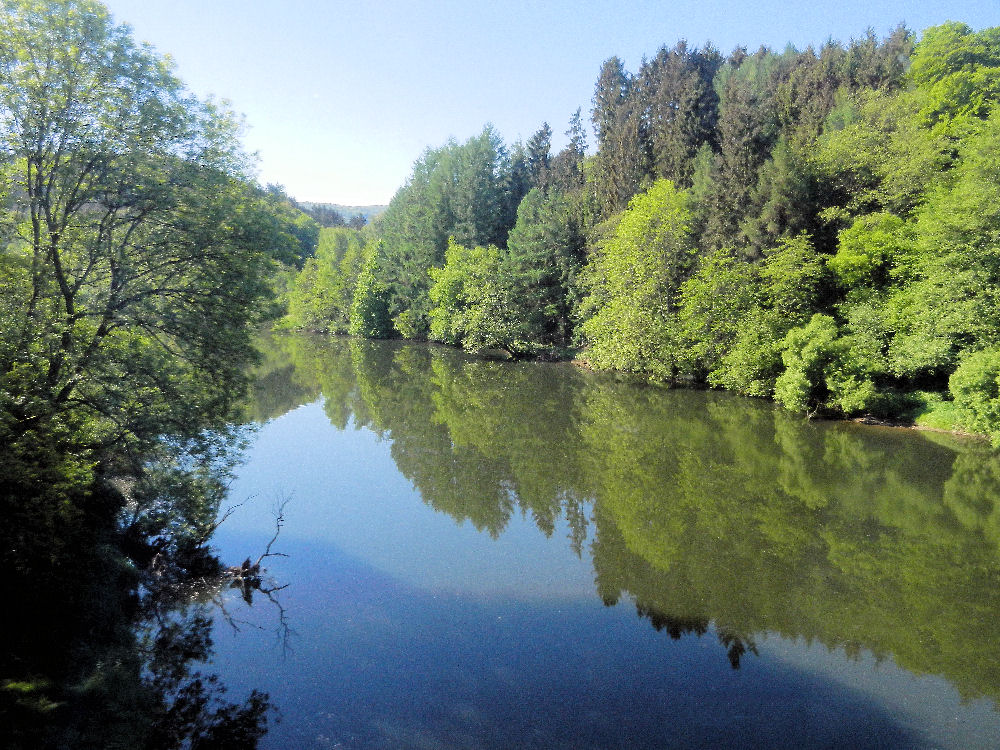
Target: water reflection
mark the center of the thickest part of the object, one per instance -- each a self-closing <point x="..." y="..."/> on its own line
<point x="710" y="513"/>
<point x="111" y="590"/>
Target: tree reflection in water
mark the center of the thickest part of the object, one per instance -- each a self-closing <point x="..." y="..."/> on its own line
<point x="709" y="512"/>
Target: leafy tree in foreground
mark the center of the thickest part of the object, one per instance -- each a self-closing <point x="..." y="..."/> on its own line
<point x="136" y="251"/>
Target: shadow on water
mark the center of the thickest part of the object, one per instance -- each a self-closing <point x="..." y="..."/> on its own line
<point x="710" y="513"/>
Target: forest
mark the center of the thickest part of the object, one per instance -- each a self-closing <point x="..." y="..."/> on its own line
<point x="818" y="227"/>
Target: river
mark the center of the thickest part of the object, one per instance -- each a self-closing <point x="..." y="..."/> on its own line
<point x="488" y="554"/>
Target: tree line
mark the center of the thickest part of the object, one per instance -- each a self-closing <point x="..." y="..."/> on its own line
<point x="817" y="226"/>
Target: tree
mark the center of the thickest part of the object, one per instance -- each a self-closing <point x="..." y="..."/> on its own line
<point x="300" y="227"/>
<point x="870" y="250"/>
<point x="714" y="302"/>
<point x="544" y="255"/>
<point x="959" y="69"/>
<point x="633" y="283"/>
<point x="784" y="202"/>
<point x="321" y="295"/>
<point x="326" y="216"/>
<point x="747" y="130"/>
<point x="566" y="169"/>
<point x="951" y="305"/>
<point x="473" y="301"/>
<point x="539" y="146"/>
<point x="462" y="191"/>
<point x="681" y="107"/>
<point x="622" y="158"/>
<point x="975" y="386"/>
<point x="136" y="252"/>
<point x="483" y="212"/>
<point x="370" y="315"/>
<point x="785" y="289"/>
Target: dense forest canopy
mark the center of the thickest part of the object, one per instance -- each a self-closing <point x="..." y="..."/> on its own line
<point x="815" y="226"/>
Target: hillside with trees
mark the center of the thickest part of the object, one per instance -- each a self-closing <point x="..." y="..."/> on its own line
<point x="818" y="227"/>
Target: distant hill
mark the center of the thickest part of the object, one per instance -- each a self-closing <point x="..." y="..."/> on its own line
<point x="347" y="212"/>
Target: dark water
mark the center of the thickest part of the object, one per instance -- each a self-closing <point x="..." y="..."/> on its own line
<point x="497" y="555"/>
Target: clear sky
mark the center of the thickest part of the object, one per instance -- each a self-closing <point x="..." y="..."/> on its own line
<point x="341" y="98"/>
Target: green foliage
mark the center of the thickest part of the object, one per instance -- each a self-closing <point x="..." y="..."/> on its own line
<point x="321" y="295"/>
<point x="792" y="277"/>
<point x="461" y="191"/>
<point x="960" y="71"/>
<point x="473" y="305"/>
<point x="780" y="293"/>
<point x="633" y="283"/>
<point x="933" y="411"/>
<point x="300" y="232"/>
<point x="139" y="256"/>
<point x="135" y="268"/>
<point x="753" y="361"/>
<point x="820" y="373"/>
<point x="544" y="256"/>
<point x="714" y="303"/>
<point x="951" y="305"/>
<point x="785" y="199"/>
<point x="621" y="163"/>
<point x="370" y="306"/>
<point x="975" y="389"/>
<point x="876" y="154"/>
<point x="681" y="108"/>
<point x="808" y="351"/>
<point x="747" y="131"/>
<point x="868" y="335"/>
<point x="870" y="250"/>
<point x="448" y="292"/>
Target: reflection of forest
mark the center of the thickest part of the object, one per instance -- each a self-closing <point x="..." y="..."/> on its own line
<point x="706" y="508"/>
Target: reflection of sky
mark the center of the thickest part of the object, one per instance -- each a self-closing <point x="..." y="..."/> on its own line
<point x="348" y="495"/>
<point x="924" y="704"/>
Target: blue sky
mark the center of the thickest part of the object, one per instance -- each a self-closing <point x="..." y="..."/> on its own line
<point x="341" y="98"/>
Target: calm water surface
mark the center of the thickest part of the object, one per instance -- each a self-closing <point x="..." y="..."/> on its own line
<point x="497" y="555"/>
